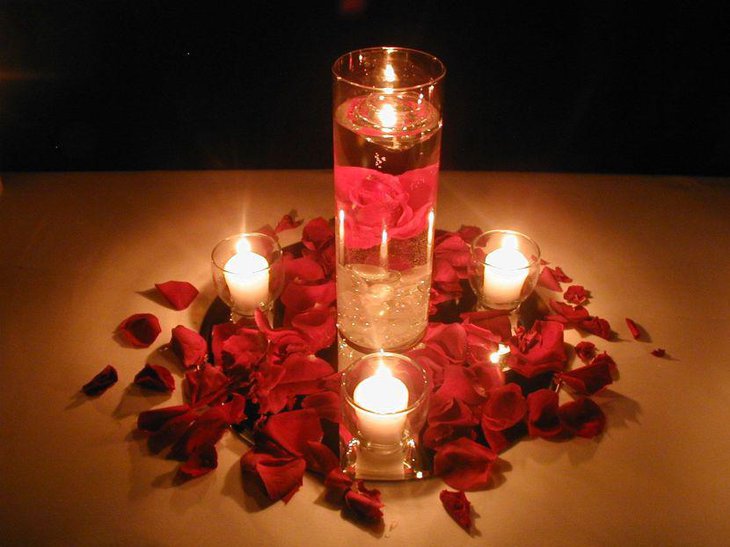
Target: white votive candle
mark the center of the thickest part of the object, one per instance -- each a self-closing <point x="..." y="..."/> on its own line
<point x="247" y="277"/>
<point x="381" y="399"/>
<point x="505" y="271"/>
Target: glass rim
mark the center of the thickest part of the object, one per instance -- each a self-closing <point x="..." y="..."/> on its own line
<point x="242" y="235"/>
<point x="400" y="356"/>
<point x="395" y="89"/>
<point x="532" y="260"/>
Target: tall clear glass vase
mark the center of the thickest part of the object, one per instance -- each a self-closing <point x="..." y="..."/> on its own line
<point x="387" y="142"/>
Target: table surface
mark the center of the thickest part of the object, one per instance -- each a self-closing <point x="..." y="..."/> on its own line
<point x="78" y="252"/>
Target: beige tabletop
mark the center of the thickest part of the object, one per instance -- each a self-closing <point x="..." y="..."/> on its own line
<point x="78" y="252"/>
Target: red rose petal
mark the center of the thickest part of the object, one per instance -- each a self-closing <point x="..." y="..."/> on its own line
<point x="189" y="346"/>
<point x="293" y="430"/>
<point x="582" y="417"/>
<point x="505" y="407"/>
<point x="541" y="349"/>
<point x="633" y="328"/>
<point x="101" y="382"/>
<point x="288" y="222"/>
<point x="364" y="503"/>
<point x="155" y="377"/>
<point x="469" y="233"/>
<point x="460" y="383"/>
<point x="542" y="414"/>
<point x="221" y="332"/>
<point x="179" y="294"/>
<point x="326" y="404"/>
<point x="458" y="507"/>
<point x="559" y="274"/>
<point x="596" y="325"/>
<point x="571" y="314"/>
<point x="320" y="459"/>
<point x="281" y="475"/>
<point x="450" y="339"/>
<point x="589" y="379"/>
<point x="205" y="384"/>
<point x="153" y="420"/>
<point x="495" y="321"/>
<point x="319" y="325"/>
<point x="243" y="349"/>
<point x="464" y="464"/>
<point x="337" y="484"/>
<point x="304" y="269"/>
<point x="585" y="351"/>
<point x="298" y="297"/>
<point x="576" y="294"/>
<point x="202" y="461"/>
<point x="547" y="279"/>
<point x="317" y="233"/>
<point x="140" y="329"/>
<point x="659" y="352"/>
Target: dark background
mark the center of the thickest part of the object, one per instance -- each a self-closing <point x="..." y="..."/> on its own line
<point x="561" y="86"/>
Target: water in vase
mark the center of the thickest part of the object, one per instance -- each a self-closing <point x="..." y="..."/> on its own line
<point x="386" y="148"/>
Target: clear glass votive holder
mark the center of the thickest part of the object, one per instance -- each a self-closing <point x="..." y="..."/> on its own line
<point x="503" y="268"/>
<point x="384" y="407"/>
<point x="248" y="273"/>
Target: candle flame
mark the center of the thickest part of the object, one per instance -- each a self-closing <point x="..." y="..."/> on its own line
<point x="387" y="116"/>
<point x="243" y="246"/>
<point x="510" y="242"/>
<point x="389" y="73"/>
<point x="496" y="357"/>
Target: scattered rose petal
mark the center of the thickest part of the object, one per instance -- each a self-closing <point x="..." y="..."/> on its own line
<point x="319" y="325"/>
<point x="303" y="270"/>
<point x="205" y="384"/>
<point x="320" y="459"/>
<point x="659" y="352"/>
<point x="505" y="407"/>
<point x="298" y="297"/>
<point x="571" y="314"/>
<point x="317" y="234"/>
<point x="538" y="350"/>
<point x="140" y="329"/>
<point x="585" y="351"/>
<point x="458" y="507"/>
<point x="365" y="503"/>
<point x="179" y="294"/>
<point x="599" y="327"/>
<point x="280" y="474"/>
<point x="589" y="379"/>
<point x="189" y="346"/>
<point x="293" y="430"/>
<point x="542" y="414"/>
<point x="153" y="420"/>
<point x="469" y="233"/>
<point x="101" y="382"/>
<point x="633" y="328"/>
<point x="576" y="294"/>
<point x="155" y="377"/>
<point x="325" y="403"/>
<point x="559" y="274"/>
<point x="582" y="417"/>
<point x="288" y="222"/>
<point x="495" y="321"/>
<point x="202" y="461"/>
<point x="464" y="464"/>
<point x="337" y="484"/>
<point x="547" y="279"/>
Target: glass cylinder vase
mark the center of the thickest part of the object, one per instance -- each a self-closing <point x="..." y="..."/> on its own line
<point x="387" y="142"/>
